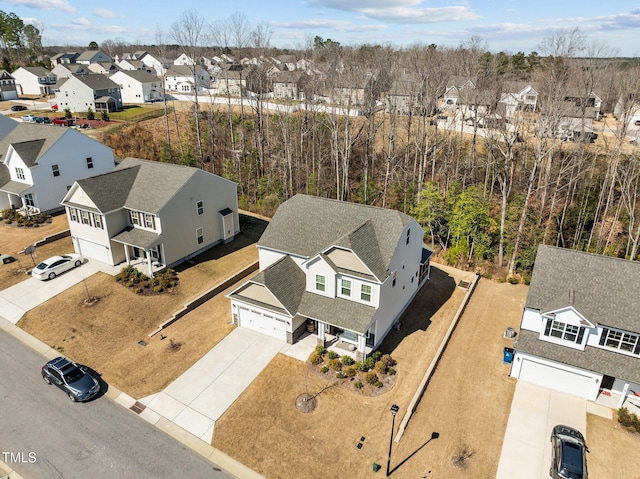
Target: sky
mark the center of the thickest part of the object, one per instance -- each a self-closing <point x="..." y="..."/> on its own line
<point x="501" y="25"/>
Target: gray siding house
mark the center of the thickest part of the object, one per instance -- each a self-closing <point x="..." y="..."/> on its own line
<point x="79" y="93"/>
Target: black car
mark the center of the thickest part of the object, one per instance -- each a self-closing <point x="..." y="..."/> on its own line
<point x="568" y="454"/>
<point x="18" y="108"/>
<point x="71" y="378"/>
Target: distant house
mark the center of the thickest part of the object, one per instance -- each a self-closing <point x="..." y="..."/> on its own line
<point x="93" y="56"/>
<point x="39" y="163"/>
<point x="588" y="106"/>
<point x="60" y="58"/>
<point x="456" y="88"/>
<point x="286" y="85"/>
<point x="161" y="212"/>
<point x="104" y="68"/>
<point x="138" y="86"/>
<point x="344" y="270"/>
<point x="79" y="93"/>
<point x="627" y="110"/>
<point x="518" y="96"/>
<point x="232" y="81"/>
<point x="8" y="90"/>
<point x="180" y="78"/>
<point x="580" y="330"/>
<point x="34" y="81"/>
<point x="65" y="70"/>
<point x="183" y="60"/>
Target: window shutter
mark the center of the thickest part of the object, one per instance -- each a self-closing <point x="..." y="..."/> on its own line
<point x="637" y="348"/>
<point x="603" y="336"/>
<point x="548" y="326"/>
<point x="580" y="335"/>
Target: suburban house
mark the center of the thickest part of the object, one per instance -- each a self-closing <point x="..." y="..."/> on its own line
<point x="131" y="64"/>
<point x="79" y="93"/>
<point x="456" y="88"/>
<point x="67" y="57"/>
<point x="39" y="163"/>
<point x="580" y="330"/>
<point x="7" y="86"/>
<point x="138" y="86"/>
<point x="179" y="78"/>
<point x="231" y="81"/>
<point x="34" y="81"/>
<point x="159" y="212"/>
<point x="286" y="85"/>
<point x="518" y="96"/>
<point x="93" y="56"/>
<point x="103" y="68"/>
<point x="65" y="70"/>
<point x="344" y="270"/>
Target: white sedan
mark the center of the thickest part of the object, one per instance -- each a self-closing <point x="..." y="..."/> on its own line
<point x="56" y="265"/>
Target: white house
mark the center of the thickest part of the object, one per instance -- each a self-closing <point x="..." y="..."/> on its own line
<point x="580" y="330"/>
<point x="147" y="209"/>
<point x="347" y="270"/>
<point x="65" y="70"/>
<point x="179" y="78"/>
<point x="39" y="163"/>
<point x="93" y="56"/>
<point x="103" y="68"/>
<point x="34" y="81"/>
<point x="138" y="86"/>
<point x="8" y="89"/>
<point x="79" y="93"/>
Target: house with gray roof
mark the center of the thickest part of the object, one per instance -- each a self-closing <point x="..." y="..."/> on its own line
<point x="342" y="270"/>
<point x="138" y="86"/>
<point x="580" y="330"/>
<point x="39" y="163"/>
<point x="180" y="78"/>
<point x="34" y="81"/>
<point x="95" y="91"/>
<point x="158" y="212"/>
<point x="8" y="90"/>
<point x="93" y="56"/>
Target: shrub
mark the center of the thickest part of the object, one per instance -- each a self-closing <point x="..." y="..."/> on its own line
<point x="381" y="367"/>
<point x="378" y="384"/>
<point x="339" y="375"/>
<point x="358" y="385"/>
<point x="320" y="349"/>
<point x="347" y="360"/>
<point x="334" y="364"/>
<point x="138" y="290"/>
<point x="90" y="114"/>
<point x="129" y="284"/>
<point x="324" y="369"/>
<point x="388" y="360"/>
<point x="104" y="115"/>
<point x="362" y="367"/>
<point x="350" y="371"/>
<point x="371" y="377"/>
<point x="376" y="355"/>
<point x="333" y="355"/>
<point x="391" y="371"/>
<point x="67" y="113"/>
<point x="628" y="420"/>
<point x="370" y="362"/>
<point x="315" y="359"/>
<point x="513" y="280"/>
<point x="145" y="284"/>
<point x="157" y="289"/>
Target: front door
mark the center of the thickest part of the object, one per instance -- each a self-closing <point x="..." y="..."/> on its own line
<point x="607" y="383"/>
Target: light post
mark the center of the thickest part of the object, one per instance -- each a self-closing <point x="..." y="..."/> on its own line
<point x="394" y="410"/>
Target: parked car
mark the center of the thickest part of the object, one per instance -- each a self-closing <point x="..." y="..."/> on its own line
<point x="71" y="378"/>
<point x="29" y="118"/>
<point x="56" y="265"/>
<point x="568" y="454"/>
<point x="18" y="108"/>
<point x="43" y="119"/>
<point x="63" y="121"/>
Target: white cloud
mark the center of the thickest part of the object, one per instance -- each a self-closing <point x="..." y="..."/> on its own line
<point x="335" y="25"/>
<point x="44" y="4"/>
<point x="83" y="22"/>
<point x="103" y="13"/>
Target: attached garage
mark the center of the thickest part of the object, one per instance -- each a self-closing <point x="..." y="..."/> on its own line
<point x="262" y="322"/>
<point x="92" y="250"/>
<point x="553" y="377"/>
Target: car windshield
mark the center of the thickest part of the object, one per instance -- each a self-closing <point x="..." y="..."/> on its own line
<point x="73" y="375"/>
<point x="42" y="266"/>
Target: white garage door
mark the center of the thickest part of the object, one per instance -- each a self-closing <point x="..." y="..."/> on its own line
<point x="264" y="324"/>
<point x="554" y="378"/>
<point x="94" y="251"/>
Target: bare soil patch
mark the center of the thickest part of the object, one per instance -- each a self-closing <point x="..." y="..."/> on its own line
<point x="612" y="449"/>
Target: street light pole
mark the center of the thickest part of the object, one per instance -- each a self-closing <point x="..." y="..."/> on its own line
<point x="394" y="410"/>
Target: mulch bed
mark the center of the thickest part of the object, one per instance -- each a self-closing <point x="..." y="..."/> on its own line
<point x="369" y="390"/>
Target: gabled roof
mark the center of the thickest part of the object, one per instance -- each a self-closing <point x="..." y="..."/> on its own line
<point x="307" y="225"/>
<point x="183" y="70"/>
<point x="37" y="71"/>
<point x="89" y="54"/>
<point x="96" y="81"/>
<point x="602" y="288"/>
<point x="140" y="75"/>
<point x="31" y="141"/>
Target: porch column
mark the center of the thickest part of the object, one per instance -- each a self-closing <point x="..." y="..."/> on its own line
<point x="623" y="395"/>
<point x="149" y="263"/>
<point x="321" y="330"/>
<point x="126" y="254"/>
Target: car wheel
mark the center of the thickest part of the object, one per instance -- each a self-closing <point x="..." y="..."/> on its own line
<point x="52" y="275"/>
<point x="78" y="263"/>
<point x="46" y="379"/>
<point x="71" y="397"/>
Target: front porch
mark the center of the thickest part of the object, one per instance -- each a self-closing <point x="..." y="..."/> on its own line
<point x="309" y="341"/>
<point x="142" y="248"/>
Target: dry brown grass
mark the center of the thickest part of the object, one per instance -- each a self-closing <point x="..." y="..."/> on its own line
<point x="467" y="401"/>
<point x="613" y="451"/>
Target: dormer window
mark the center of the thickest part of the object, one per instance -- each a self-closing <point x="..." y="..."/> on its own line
<point x="20" y="173"/>
<point x="560" y="330"/>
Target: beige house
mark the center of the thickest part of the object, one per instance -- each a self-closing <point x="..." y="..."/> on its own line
<point x="158" y="212"/>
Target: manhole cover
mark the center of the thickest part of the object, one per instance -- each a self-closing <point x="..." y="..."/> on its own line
<point x="464" y="284"/>
<point x="306" y="403"/>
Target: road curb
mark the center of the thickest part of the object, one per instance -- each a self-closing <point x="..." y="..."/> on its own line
<point x="218" y="458"/>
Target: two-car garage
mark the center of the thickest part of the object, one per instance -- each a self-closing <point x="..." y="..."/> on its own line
<point x="92" y="250"/>
<point x="262" y="322"/>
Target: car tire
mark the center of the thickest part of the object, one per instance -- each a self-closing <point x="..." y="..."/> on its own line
<point x="72" y="397"/>
<point x="52" y="275"/>
<point x="47" y="380"/>
<point x="78" y="263"/>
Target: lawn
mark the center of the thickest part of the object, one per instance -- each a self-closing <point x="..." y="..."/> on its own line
<point x="106" y="335"/>
<point x="613" y="451"/>
<point x="15" y="239"/>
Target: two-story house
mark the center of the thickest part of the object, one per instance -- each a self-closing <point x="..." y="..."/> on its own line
<point x="34" y="81"/>
<point x="39" y="163"/>
<point x="346" y="269"/>
<point x="138" y="86"/>
<point x="161" y="212"/>
<point x="8" y="90"/>
<point x="580" y="330"/>
<point x="180" y="78"/>
<point x="93" y="56"/>
<point x="65" y="70"/>
<point x="79" y="93"/>
<point x="66" y="57"/>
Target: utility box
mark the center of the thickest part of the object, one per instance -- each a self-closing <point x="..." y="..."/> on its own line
<point x="376" y="467"/>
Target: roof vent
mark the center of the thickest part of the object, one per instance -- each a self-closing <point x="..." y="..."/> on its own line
<point x="572" y="294"/>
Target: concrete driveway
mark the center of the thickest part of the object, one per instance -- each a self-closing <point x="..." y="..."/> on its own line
<point x="526" y="450"/>
<point x="26" y="295"/>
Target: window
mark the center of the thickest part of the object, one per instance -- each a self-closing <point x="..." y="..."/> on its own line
<point x="20" y="173"/>
<point x="97" y="220"/>
<point x="135" y="220"/>
<point x="408" y="235"/>
<point x="365" y="293"/>
<point x="73" y="214"/>
<point x="560" y="330"/>
<point x="149" y="221"/>
<point x="199" y="236"/>
<point x="394" y="279"/>
<point x="28" y="199"/>
<point x="89" y="163"/>
<point x="628" y="342"/>
<point x="85" y="218"/>
<point x="200" y="207"/>
<point x="346" y="287"/>
<point x="56" y="170"/>
<point x="320" y="282"/>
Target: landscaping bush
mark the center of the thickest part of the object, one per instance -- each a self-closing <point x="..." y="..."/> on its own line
<point x="376" y="355"/>
<point x="388" y="360"/>
<point x="358" y="385"/>
<point x="334" y="364"/>
<point x="320" y="349"/>
<point x="315" y="359"/>
<point x="362" y="367"/>
<point x="391" y="371"/>
<point x="628" y="420"/>
<point x="347" y="360"/>
<point x="90" y="114"/>
<point x="371" y="377"/>
<point x="381" y="367"/>
<point x="138" y="290"/>
<point x="333" y="355"/>
<point x="157" y="289"/>
<point x="378" y="384"/>
<point x="513" y="280"/>
<point x="339" y="375"/>
<point x="324" y="369"/>
<point x="370" y="362"/>
<point x="350" y="371"/>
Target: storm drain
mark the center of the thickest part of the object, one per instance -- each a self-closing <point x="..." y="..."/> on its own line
<point x="464" y="284"/>
<point x="138" y="407"/>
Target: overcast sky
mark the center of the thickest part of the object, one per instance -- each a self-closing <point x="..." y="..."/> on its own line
<point x="507" y="25"/>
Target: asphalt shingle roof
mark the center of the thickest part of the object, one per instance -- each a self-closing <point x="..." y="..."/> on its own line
<point x="289" y="292"/>
<point x="31" y="140"/>
<point x="604" y="289"/>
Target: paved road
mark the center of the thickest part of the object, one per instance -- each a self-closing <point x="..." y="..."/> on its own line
<point x="50" y="437"/>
